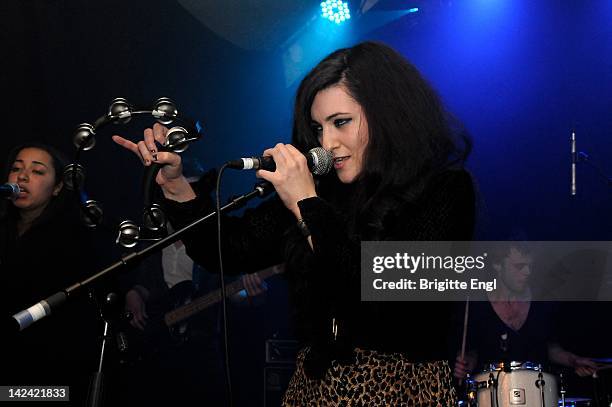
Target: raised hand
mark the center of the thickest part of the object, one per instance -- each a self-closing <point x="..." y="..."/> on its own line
<point x="170" y="178"/>
<point x="292" y="178"/>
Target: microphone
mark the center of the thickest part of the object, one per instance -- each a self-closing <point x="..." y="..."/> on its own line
<point x="39" y="310"/>
<point x="9" y="191"/>
<point x="573" y="150"/>
<point x="320" y="162"/>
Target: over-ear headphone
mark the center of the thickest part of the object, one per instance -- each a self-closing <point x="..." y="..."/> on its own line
<point x="120" y="111"/>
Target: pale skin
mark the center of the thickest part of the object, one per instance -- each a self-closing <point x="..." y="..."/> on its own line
<point x="336" y="117"/>
<point x="342" y="128"/>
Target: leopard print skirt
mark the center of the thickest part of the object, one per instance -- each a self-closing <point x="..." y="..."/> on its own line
<point x="376" y="379"/>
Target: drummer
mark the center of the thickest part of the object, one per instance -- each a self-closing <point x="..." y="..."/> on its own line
<point x="512" y="327"/>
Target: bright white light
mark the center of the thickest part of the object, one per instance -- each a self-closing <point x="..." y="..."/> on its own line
<point x="335" y="10"/>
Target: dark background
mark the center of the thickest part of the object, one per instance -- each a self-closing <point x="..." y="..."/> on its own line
<point x="519" y="74"/>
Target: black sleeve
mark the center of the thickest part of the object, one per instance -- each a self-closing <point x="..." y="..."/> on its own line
<point x="444" y="212"/>
<point x="249" y="243"/>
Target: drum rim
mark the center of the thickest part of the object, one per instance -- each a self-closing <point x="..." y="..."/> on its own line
<point x="514" y="365"/>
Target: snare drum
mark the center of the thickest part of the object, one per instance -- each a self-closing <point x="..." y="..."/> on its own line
<point x="525" y="384"/>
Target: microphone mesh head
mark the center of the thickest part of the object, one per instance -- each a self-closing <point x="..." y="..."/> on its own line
<point x="15" y="190"/>
<point x="322" y="160"/>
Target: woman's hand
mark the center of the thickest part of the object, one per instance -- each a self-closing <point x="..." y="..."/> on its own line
<point x="170" y="177"/>
<point x="292" y="179"/>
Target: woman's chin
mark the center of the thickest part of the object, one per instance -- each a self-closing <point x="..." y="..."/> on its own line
<point x="346" y="177"/>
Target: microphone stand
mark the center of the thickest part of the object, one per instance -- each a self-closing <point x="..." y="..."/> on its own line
<point x="43" y="308"/>
<point x="108" y="311"/>
<point x="578" y="157"/>
<point x="562" y="390"/>
<point x="540" y="385"/>
<point x="492" y="385"/>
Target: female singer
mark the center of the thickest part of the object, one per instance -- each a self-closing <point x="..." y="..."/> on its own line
<point x="398" y="175"/>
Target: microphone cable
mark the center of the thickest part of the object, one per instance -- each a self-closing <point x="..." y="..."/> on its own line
<point x="228" y="376"/>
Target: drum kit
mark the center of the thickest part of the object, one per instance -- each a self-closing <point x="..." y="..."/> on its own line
<point x="526" y="384"/>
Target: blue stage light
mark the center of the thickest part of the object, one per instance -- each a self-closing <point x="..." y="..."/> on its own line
<point x="335" y="10"/>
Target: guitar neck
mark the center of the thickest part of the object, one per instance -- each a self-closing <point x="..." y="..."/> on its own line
<point x="201" y="303"/>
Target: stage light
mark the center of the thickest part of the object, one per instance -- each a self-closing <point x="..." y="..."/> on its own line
<point x="413" y="10"/>
<point x="336" y="11"/>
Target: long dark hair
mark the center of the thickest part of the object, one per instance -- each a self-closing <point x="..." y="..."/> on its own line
<point x="411" y="135"/>
<point x="58" y="162"/>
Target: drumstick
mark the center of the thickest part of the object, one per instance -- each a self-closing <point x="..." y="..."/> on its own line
<point x="465" y="322"/>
